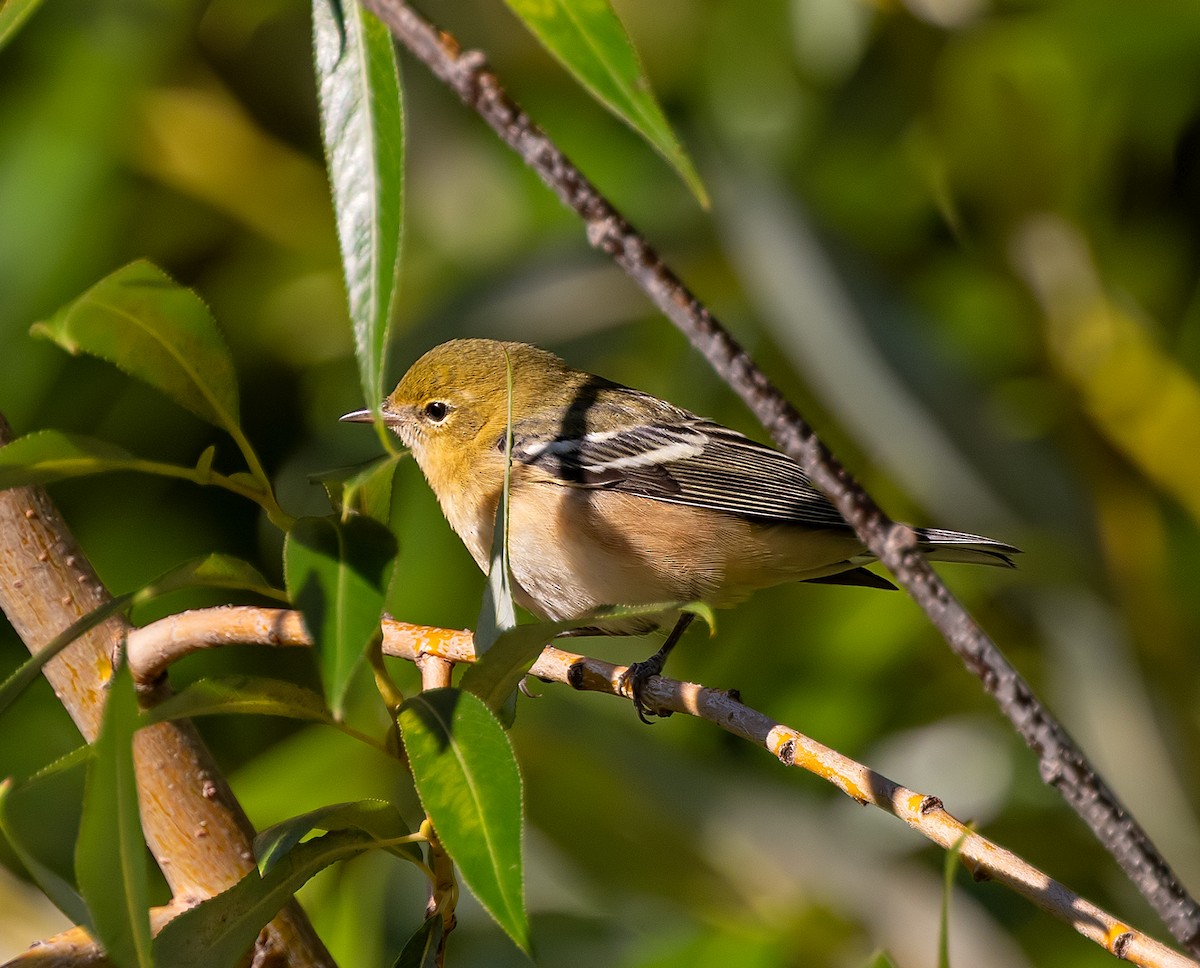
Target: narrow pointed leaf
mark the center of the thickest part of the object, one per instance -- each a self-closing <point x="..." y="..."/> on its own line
<point x="211" y="571"/>
<point x="158" y="331"/>
<point x="337" y="573"/>
<point x="589" y="40"/>
<point x="13" y="14"/>
<point x="204" y="462"/>
<point x="68" y="761"/>
<point x="949" y="867"/>
<point x="498" y="613"/>
<point x="46" y="456"/>
<point x="251" y="695"/>
<point x="497" y="672"/>
<point x="378" y="818"/>
<point x="64" y="896"/>
<point x="467" y="778"/>
<point x="362" y="490"/>
<point x="219" y="932"/>
<point x="362" y="126"/>
<point x="110" y="855"/>
<point x="420" y="951"/>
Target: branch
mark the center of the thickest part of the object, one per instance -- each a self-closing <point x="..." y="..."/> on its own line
<point x="1062" y="764"/>
<point x="152" y="649"/>
<point x="74" y="948"/>
<point x="193" y="825"/>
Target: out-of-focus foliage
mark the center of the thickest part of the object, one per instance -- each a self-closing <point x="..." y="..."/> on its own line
<point x="964" y="235"/>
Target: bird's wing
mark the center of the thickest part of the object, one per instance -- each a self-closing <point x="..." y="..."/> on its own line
<point x="682" y="459"/>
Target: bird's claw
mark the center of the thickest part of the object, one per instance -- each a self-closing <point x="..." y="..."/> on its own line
<point x="632" y="684"/>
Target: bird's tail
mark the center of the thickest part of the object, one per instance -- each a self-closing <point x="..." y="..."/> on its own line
<point x="972" y="549"/>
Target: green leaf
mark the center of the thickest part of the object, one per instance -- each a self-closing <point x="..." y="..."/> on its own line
<point x="949" y="867"/>
<point x="205" y="461"/>
<point x="497" y="612"/>
<point x="496" y="673"/>
<point x="68" y="761"/>
<point x="64" y="896"/>
<point x="362" y="127"/>
<point x="378" y="818"/>
<point x="13" y="14"/>
<point x="211" y="571"/>
<point x="110" y="855"/>
<point x="242" y="694"/>
<point x="588" y="39"/>
<point x="880" y="959"/>
<point x="46" y="456"/>
<point x="420" y="951"/>
<point x="467" y="778"/>
<point x="219" y="932"/>
<point x="337" y="573"/>
<point x="156" y="330"/>
<point x="251" y="695"/>
<point x="366" y="489"/>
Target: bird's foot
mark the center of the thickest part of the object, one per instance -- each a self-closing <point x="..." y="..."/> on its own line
<point x="632" y="684"/>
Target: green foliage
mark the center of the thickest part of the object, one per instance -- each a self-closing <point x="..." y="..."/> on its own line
<point x="218" y="932"/>
<point x="110" y="855"/>
<point x="365" y="490"/>
<point x="50" y="455"/>
<point x="467" y="776"/>
<point x="588" y="39"/>
<point x="378" y="818"/>
<point x="251" y="695"/>
<point x="139" y="319"/>
<point x="58" y="889"/>
<point x="337" y="574"/>
<point x="498" y="612"/>
<point x="950" y="866"/>
<point x="362" y="127"/>
<point x="420" y="951"/>
<point x="46" y="456"/>
<point x="150" y="327"/>
<point x="13" y="14"/>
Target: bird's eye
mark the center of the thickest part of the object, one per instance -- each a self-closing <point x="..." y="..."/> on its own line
<point x="436" y="410"/>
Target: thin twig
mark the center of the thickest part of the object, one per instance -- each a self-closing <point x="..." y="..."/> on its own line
<point x="153" y="648"/>
<point x="435" y="671"/>
<point x="1062" y="763"/>
<point x="192" y="823"/>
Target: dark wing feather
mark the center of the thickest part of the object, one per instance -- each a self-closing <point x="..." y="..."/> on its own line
<point x="685" y="461"/>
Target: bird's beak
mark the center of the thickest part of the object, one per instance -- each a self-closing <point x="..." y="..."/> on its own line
<point x="358" y="416"/>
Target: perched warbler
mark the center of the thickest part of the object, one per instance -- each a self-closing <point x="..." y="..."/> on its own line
<point x="618" y="497"/>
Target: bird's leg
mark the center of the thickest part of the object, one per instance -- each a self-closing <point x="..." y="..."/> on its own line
<point x="633" y="680"/>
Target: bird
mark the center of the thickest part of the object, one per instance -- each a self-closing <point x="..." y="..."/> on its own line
<point x="619" y="498"/>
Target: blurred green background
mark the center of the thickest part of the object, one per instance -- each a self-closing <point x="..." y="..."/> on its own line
<point x="963" y="235"/>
